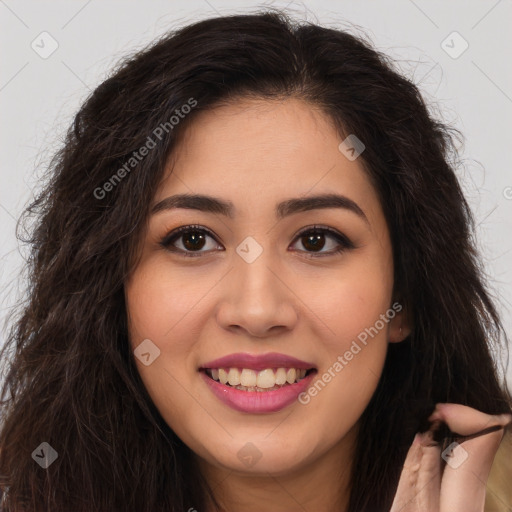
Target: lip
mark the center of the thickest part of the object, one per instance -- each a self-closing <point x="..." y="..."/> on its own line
<point x="257" y="402"/>
<point x="258" y="362"/>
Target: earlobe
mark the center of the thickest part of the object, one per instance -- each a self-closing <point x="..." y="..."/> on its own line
<point x="399" y="329"/>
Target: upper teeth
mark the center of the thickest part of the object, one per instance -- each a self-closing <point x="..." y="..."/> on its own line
<point x="267" y="378"/>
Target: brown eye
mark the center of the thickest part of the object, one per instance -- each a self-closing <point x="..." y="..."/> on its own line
<point x="189" y="240"/>
<point x="193" y="240"/>
<point x="317" y="238"/>
<point x="313" y="242"/>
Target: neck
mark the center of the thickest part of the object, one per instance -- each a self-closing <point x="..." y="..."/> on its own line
<point x="322" y="485"/>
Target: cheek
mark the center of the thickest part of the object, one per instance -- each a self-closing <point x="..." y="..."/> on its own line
<point x="157" y="312"/>
<point x="160" y="309"/>
<point x="161" y="303"/>
<point x="350" y="304"/>
<point x="168" y="307"/>
<point x="355" y="309"/>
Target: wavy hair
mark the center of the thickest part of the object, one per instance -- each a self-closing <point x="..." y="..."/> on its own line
<point x="71" y="379"/>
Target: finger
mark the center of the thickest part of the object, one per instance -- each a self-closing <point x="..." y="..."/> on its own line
<point x="469" y="463"/>
<point x="419" y="485"/>
<point x="466" y="420"/>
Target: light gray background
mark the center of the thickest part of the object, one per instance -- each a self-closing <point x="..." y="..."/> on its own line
<point x="38" y="97"/>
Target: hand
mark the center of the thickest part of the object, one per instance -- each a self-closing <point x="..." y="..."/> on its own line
<point x="424" y="485"/>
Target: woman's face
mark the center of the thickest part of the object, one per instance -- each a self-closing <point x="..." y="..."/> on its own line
<point x="258" y="288"/>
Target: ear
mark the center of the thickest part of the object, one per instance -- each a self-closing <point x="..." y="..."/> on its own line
<point x="400" y="326"/>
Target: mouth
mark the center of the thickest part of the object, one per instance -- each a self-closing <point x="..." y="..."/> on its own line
<point x="257" y="384"/>
<point x="268" y="379"/>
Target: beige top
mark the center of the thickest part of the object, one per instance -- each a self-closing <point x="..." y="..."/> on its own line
<point x="499" y="484"/>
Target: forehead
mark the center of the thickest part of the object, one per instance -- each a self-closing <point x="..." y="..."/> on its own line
<point x="256" y="153"/>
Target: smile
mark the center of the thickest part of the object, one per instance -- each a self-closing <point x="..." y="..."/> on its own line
<point x="257" y="384"/>
<point x="265" y="380"/>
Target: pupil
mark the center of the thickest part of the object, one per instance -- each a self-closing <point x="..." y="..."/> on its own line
<point x="197" y="241"/>
<point x="194" y="241"/>
<point x="316" y="241"/>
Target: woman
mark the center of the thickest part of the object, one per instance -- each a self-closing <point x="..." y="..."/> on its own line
<point x="254" y="286"/>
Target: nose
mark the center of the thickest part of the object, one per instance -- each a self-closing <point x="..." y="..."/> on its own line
<point x="257" y="299"/>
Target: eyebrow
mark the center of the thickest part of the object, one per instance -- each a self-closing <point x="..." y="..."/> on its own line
<point x="215" y="205"/>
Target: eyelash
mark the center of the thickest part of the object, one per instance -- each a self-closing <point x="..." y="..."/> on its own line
<point x="344" y="242"/>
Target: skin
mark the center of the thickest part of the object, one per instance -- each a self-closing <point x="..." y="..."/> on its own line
<point x="255" y="154"/>
<point x="425" y="486"/>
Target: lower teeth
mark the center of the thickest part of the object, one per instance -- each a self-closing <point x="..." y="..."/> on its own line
<point x="256" y="388"/>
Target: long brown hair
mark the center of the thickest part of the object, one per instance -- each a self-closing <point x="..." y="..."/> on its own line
<point x="71" y="379"/>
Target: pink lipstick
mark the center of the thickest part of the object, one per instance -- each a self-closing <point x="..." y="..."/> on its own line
<point x="257" y="384"/>
<point x="258" y="362"/>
